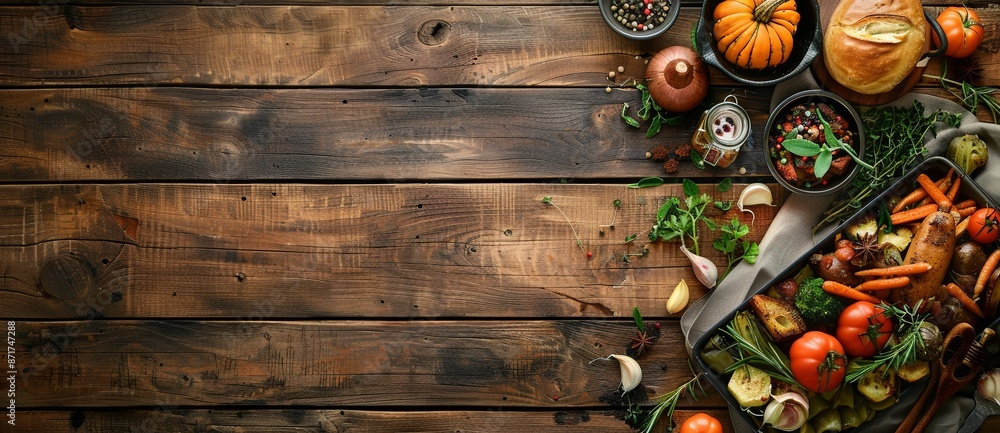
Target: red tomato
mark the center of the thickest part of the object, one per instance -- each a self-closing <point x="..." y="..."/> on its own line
<point x="701" y="423"/>
<point x="818" y="361"/>
<point x="863" y="329"/>
<point x="963" y="30"/>
<point x="984" y="225"/>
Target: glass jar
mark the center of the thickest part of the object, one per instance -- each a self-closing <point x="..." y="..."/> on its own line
<point x="722" y="130"/>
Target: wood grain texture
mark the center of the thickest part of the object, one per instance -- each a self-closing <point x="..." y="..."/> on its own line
<point x="496" y="419"/>
<point x="402" y="251"/>
<point x="385" y="46"/>
<point x="381" y="135"/>
<point x="508" y="364"/>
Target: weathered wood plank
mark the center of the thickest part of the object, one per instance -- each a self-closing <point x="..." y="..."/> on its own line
<point x="267" y="251"/>
<point x="508" y="364"/>
<point x="405" y="46"/>
<point x="493" y="420"/>
<point x="387" y="135"/>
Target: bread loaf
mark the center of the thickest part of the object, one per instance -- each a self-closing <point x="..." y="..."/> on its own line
<point x="870" y="46"/>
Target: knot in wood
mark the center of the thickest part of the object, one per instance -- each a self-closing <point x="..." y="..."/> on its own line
<point x="434" y="32"/>
<point x="66" y="277"/>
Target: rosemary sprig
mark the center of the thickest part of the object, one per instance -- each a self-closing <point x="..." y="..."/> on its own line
<point x="668" y="402"/>
<point x="902" y="353"/>
<point x="757" y="350"/>
<point x="968" y="94"/>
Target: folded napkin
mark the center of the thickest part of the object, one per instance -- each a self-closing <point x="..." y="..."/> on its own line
<point x="790" y="236"/>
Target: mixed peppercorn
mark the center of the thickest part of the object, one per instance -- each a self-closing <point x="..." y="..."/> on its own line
<point x="798" y="170"/>
<point x="640" y="15"/>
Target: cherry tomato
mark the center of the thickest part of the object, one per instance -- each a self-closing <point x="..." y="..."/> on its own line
<point x="701" y="423"/>
<point x="863" y="329"/>
<point x="962" y="29"/>
<point x="818" y="361"/>
<point x="984" y="225"/>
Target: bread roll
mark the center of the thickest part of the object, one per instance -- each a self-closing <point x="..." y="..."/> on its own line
<point x="870" y="46"/>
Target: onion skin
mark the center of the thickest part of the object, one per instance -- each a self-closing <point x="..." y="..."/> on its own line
<point x="677" y="78"/>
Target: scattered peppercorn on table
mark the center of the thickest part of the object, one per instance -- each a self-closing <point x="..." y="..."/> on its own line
<point x="348" y="216"/>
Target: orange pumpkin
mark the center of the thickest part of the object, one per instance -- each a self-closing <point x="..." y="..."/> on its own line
<point x="755" y="34"/>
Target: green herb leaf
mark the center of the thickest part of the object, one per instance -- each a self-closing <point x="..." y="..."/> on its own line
<point x="724" y="205"/>
<point x="630" y="238"/>
<point x="638" y="319"/>
<point x="698" y="161"/>
<point x="546" y="199"/>
<point x="673" y="120"/>
<point x="822" y="164"/>
<point x="725" y="185"/>
<point x="801" y="147"/>
<point x="654" y="127"/>
<point x="617" y="203"/>
<point x="690" y="188"/>
<point x="646" y="182"/>
<point x="628" y="119"/>
<point x="750" y="252"/>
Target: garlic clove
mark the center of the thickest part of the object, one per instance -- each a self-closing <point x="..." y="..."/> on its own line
<point x="706" y="271"/>
<point x="754" y="194"/>
<point x="631" y="372"/>
<point x="989" y="385"/>
<point x="678" y="298"/>
<point x="787" y="412"/>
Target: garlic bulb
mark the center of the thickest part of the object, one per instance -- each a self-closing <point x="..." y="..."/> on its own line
<point x="787" y="412"/>
<point x="754" y="194"/>
<point x="706" y="271"/>
<point x="679" y="298"/>
<point x="989" y="385"/>
<point x="630" y="370"/>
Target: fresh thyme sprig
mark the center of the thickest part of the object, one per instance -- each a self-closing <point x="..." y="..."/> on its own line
<point x="894" y="142"/>
<point x="968" y="94"/>
<point x="902" y="353"/>
<point x="668" y="402"/>
<point x="757" y="350"/>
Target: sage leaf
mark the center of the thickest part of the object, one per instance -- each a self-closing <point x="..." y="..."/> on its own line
<point x="801" y="147"/>
<point x="646" y="182"/>
<point x="822" y="164"/>
<point x="725" y="185"/>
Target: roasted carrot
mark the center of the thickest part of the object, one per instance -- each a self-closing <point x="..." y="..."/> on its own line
<point x="918" y="194"/>
<point x="965" y="203"/>
<point x="984" y="274"/>
<point x="880" y="284"/>
<point x="967" y="302"/>
<point x="908" y="269"/>
<point x="966" y="211"/>
<point x="915" y="214"/>
<point x="953" y="191"/>
<point x="845" y="291"/>
<point x="932" y="190"/>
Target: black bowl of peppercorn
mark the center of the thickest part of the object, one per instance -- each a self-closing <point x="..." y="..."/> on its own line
<point x="639" y="19"/>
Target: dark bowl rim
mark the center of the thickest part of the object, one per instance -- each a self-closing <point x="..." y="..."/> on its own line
<point x="672" y="14"/>
<point x="856" y="117"/>
<point x="706" y="47"/>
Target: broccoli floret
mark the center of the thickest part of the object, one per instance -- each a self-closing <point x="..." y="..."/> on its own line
<point x="816" y="305"/>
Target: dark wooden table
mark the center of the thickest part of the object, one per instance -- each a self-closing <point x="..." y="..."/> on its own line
<point x="327" y="216"/>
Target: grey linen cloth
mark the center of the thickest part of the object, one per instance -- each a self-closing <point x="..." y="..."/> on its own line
<point x="790" y="236"/>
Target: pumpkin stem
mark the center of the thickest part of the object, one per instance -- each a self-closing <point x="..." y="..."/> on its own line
<point x="678" y="74"/>
<point x="764" y="11"/>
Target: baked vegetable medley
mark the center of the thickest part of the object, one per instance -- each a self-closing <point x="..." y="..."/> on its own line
<point x="842" y="333"/>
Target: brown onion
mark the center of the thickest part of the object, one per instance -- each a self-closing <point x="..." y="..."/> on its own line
<point x="677" y="79"/>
